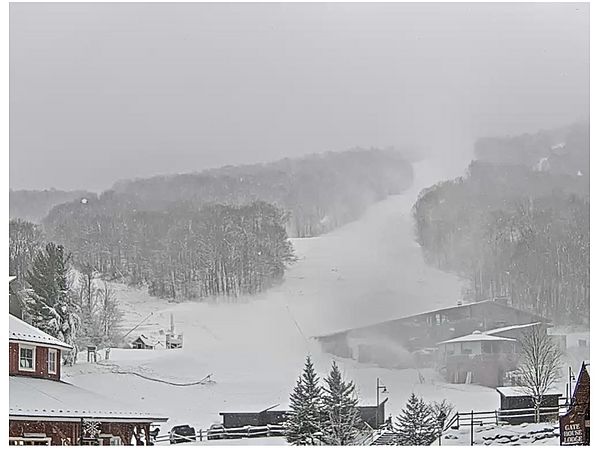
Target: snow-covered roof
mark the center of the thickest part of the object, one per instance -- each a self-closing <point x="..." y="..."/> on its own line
<point x="477" y="336"/>
<point x="517" y="391"/>
<point x="38" y="397"/>
<point x="148" y="340"/>
<point x="11" y="279"/>
<point x="21" y="331"/>
<point x="510" y="328"/>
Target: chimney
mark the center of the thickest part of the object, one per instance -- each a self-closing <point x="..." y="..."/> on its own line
<point x="459" y="303"/>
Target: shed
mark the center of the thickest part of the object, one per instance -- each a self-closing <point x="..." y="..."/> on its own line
<point x="143" y="342"/>
<point x="517" y="398"/>
<point x="268" y="416"/>
<point x="373" y="414"/>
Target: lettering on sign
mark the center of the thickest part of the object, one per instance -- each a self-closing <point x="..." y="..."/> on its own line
<point x="573" y="434"/>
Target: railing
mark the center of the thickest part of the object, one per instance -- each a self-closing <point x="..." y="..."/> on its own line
<point x="480" y="418"/>
<point x="182" y="438"/>
<point x="248" y="431"/>
<point x="498" y="417"/>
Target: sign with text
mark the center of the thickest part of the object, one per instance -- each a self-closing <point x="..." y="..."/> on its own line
<point x="572" y="431"/>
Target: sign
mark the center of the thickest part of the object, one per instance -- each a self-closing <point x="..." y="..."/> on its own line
<point x="572" y="431"/>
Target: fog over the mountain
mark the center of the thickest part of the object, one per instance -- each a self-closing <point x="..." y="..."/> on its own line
<point x="100" y="92"/>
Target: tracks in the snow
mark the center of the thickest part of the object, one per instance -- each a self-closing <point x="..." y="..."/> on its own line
<point x="114" y="368"/>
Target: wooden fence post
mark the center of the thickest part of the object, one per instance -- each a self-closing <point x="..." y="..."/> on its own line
<point x="471" y="427"/>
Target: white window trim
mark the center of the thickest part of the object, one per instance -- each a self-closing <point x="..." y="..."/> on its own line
<point x="27" y="347"/>
<point x="29" y="441"/>
<point x="54" y="352"/>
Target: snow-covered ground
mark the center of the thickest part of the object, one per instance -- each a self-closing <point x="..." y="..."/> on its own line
<point x="254" y="348"/>
<point x="543" y="434"/>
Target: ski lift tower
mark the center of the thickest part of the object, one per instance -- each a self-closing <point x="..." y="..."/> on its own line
<point x="173" y="340"/>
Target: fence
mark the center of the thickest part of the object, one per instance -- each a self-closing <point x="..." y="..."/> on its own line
<point x="497" y="417"/>
<point x="225" y="433"/>
<point x="480" y="418"/>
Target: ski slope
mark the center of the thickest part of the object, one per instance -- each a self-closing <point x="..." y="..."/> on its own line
<point x="254" y="348"/>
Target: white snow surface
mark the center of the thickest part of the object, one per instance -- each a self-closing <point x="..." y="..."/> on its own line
<point x="543" y="434"/>
<point x="368" y="271"/>
<point x="20" y="331"/>
<point x="39" y="397"/>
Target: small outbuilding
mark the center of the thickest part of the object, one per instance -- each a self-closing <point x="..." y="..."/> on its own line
<point x="268" y="416"/>
<point x="515" y="398"/>
<point x="478" y="358"/>
<point x="143" y="342"/>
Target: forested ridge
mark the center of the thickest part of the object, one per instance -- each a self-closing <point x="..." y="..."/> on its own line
<point x="319" y="192"/>
<point x="34" y="205"/>
<point x="516" y="230"/>
<point x="219" y="232"/>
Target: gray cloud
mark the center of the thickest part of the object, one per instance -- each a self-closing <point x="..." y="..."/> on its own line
<point x="100" y="92"/>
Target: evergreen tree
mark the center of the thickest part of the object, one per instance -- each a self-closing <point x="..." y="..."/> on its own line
<point x="416" y="425"/>
<point x="341" y="414"/>
<point x="303" y="426"/>
<point x="49" y="302"/>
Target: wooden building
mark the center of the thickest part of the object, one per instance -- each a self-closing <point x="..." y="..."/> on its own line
<point x="477" y="358"/>
<point x="517" y="398"/>
<point x="235" y="419"/>
<point x="143" y="342"/>
<point x="373" y="414"/>
<point x="268" y="416"/>
<point x="575" y="424"/>
<point x="387" y="343"/>
<point x="486" y="358"/>
<point x="44" y="410"/>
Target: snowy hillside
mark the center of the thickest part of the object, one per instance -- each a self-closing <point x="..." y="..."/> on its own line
<point x="368" y="271"/>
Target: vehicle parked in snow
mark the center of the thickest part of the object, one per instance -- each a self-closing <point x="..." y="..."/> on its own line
<point x="182" y="434"/>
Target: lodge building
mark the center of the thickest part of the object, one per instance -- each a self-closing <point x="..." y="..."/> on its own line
<point x="469" y="342"/>
<point x="44" y="410"/>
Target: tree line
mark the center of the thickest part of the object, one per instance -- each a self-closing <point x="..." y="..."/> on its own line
<point x="50" y="294"/>
<point x="182" y="252"/>
<point x="513" y="231"/>
<point x="319" y="192"/>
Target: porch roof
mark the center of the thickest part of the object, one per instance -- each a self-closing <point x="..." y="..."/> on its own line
<point x="38" y="397"/>
<point x="478" y="337"/>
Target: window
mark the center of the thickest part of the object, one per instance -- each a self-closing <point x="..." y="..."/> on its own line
<point x="51" y="361"/>
<point x="26" y="357"/>
<point x="116" y="441"/>
<point x="486" y="347"/>
<point x="21" y="441"/>
<point x="466" y="349"/>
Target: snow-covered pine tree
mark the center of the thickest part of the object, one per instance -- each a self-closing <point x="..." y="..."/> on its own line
<point x="303" y="426"/>
<point x="49" y="302"/>
<point x="416" y="425"/>
<point x="340" y="412"/>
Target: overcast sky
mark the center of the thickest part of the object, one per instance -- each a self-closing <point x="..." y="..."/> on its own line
<point x="100" y="92"/>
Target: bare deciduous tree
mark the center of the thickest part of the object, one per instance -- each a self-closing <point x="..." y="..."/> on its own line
<point x="539" y="366"/>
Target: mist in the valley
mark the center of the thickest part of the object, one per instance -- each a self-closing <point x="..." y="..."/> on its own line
<point x="102" y="92"/>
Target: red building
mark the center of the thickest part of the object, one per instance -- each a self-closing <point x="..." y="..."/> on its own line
<point x="44" y="410"/>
